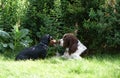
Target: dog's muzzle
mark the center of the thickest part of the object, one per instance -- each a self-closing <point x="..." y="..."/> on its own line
<point x="53" y="42"/>
<point x="60" y="42"/>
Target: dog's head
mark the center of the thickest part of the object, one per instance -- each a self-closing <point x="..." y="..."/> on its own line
<point x="69" y="41"/>
<point x="47" y="39"/>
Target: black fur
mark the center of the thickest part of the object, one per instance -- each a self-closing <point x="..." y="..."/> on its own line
<point x="35" y="52"/>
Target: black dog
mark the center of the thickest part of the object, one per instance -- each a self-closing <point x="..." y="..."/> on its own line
<point x="35" y="52"/>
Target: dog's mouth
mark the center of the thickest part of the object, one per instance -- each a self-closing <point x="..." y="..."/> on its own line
<point x="53" y="42"/>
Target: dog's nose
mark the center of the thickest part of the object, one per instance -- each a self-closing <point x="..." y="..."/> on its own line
<point x="52" y="42"/>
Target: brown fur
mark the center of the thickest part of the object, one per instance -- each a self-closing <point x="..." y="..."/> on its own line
<point x="70" y="41"/>
<point x="52" y="42"/>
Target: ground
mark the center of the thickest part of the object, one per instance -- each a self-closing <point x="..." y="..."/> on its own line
<point x="99" y="66"/>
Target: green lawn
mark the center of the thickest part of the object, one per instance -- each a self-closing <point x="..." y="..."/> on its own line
<point x="103" y="66"/>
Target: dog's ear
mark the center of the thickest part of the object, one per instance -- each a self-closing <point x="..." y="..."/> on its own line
<point x="73" y="48"/>
<point x="73" y="43"/>
<point x="66" y="41"/>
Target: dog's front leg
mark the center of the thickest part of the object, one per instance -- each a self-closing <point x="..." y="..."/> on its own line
<point x="66" y="54"/>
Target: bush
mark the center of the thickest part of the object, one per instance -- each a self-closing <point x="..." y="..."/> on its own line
<point x="102" y="28"/>
<point x="97" y="22"/>
<point x="4" y="41"/>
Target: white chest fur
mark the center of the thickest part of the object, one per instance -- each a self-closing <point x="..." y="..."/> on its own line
<point x="76" y="55"/>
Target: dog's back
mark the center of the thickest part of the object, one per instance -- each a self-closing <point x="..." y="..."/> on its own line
<point x="34" y="52"/>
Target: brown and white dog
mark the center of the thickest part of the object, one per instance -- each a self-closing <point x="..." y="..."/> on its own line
<point x="73" y="47"/>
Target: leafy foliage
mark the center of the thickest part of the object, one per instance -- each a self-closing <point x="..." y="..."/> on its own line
<point x="4" y="34"/>
<point x="4" y="39"/>
<point x="104" y="23"/>
<point x="23" y="22"/>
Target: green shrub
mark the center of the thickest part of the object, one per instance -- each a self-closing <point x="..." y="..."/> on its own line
<point x="20" y="37"/>
<point x="97" y="22"/>
<point x="102" y="27"/>
<point x="4" y="41"/>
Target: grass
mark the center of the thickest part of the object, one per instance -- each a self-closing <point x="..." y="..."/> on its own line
<point x="103" y="66"/>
